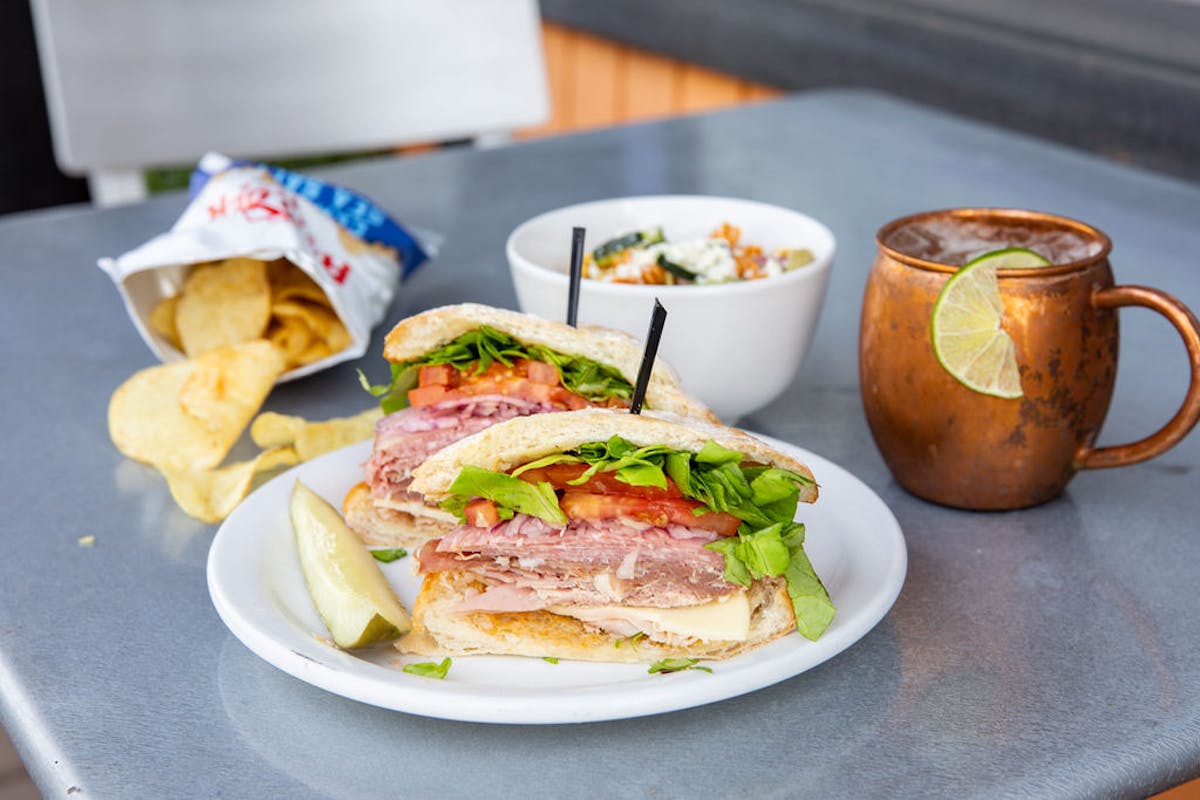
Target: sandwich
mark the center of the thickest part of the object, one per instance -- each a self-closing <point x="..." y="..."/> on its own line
<point x="459" y="369"/>
<point x="604" y="536"/>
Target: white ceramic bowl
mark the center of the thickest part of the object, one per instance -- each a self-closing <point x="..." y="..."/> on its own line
<point x="736" y="346"/>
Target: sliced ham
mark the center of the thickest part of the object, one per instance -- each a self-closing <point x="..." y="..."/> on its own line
<point x="404" y="439"/>
<point x="501" y="599"/>
<point x="585" y="563"/>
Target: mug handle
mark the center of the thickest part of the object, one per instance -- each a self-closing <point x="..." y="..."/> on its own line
<point x="1188" y="414"/>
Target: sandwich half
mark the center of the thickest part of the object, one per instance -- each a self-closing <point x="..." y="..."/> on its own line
<point x="606" y="536"/>
<point x="459" y="369"/>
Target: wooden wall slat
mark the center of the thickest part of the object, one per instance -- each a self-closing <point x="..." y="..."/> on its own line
<point x="652" y="86"/>
<point x="557" y="52"/>
<point x="705" y="89"/>
<point x="594" y="82"/>
<point x="756" y="92"/>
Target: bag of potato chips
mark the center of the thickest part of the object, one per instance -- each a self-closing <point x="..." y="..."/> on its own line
<point x="266" y="254"/>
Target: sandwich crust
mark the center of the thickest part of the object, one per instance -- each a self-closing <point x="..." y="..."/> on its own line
<point x="438" y="630"/>
<point x="510" y="444"/>
<point x="417" y="335"/>
<point x="409" y="525"/>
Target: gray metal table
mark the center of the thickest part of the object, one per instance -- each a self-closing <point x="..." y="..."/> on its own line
<point x="1045" y="653"/>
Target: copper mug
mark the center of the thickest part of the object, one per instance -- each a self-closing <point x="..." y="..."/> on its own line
<point x="955" y="446"/>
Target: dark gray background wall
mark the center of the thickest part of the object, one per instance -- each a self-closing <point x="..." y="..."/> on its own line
<point x="1117" y="77"/>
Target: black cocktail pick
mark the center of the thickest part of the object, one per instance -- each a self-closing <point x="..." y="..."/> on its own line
<point x="577" y="235"/>
<point x="657" y="319"/>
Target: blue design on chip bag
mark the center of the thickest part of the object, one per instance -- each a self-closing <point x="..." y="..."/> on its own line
<point x="351" y="210"/>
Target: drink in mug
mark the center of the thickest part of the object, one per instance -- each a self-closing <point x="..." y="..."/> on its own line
<point x="955" y="241"/>
<point x="953" y="445"/>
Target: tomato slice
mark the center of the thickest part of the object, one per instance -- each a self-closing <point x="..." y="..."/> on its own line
<point x="556" y="475"/>
<point x="542" y="372"/>
<point x="481" y="513"/>
<point x="560" y="476"/>
<point x="572" y="401"/>
<point x="525" y="379"/>
<point x="435" y="374"/>
<point x="592" y="506"/>
<point x="428" y="395"/>
<point x="535" y="381"/>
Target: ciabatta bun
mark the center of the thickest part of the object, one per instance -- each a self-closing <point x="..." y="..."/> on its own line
<point x="406" y="525"/>
<point x="515" y="442"/>
<point x="438" y="630"/>
<point x="415" y="336"/>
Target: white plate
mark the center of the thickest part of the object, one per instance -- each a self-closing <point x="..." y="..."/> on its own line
<point x="254" y="579"/>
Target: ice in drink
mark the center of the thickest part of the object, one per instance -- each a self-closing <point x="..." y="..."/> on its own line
<point x="953" y="241"/>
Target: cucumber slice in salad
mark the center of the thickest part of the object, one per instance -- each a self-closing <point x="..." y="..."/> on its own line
<point x="683" y="273"/>
<point x="605" y="253"/>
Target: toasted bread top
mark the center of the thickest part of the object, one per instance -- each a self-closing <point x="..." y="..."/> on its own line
<point x="417" y="335"/>
<point x="518" y="441"/>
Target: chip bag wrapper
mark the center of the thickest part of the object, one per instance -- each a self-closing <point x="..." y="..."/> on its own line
<point x="350" y="248"/>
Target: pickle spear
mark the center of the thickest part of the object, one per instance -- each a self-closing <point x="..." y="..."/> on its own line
<point x="346" y="585"/>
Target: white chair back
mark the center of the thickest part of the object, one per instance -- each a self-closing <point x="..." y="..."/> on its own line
<point x="132" y="84"/>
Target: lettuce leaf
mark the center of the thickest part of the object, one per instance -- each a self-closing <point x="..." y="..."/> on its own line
<point x="814" y="610"/>
<point x="779" y="550"/>
<point x="636" y="466"/>
<point x="755" y="555"/>
<point x="429" y="669"/>
<point x="389" y="554"/>
<point x="715" y="454"/>
<point x="668" y="665"/>
<point x="758" y="495"/>
<point x="736" y="570"/>
<point x="547" y="461"/>
<point x="508" y="493"/>
<point x="393" y="396"/>
<point x="484" y="346"/>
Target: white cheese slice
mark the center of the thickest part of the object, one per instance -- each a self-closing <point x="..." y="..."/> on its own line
<point x="727" y="619"/>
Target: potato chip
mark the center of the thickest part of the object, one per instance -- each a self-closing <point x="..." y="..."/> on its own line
<point x="162" y="320"/>
<point x="227" y="302"/>
<point x="312" y="439"/>
<point x="292" y="337"/>
<point x="296" y="298"/>
<point x="289" y="282"/>
<point x="317" y="317"/>
<point x="147" y="424"/>
<point x="228" y="385"/>
<point x="315" y="352"/>
<point x="338" y="338"/>
<point x="188" y="414"/>
<point x="210" y="495"/>
<point x="270" y="429"/>
<point x="328" y="334"/>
